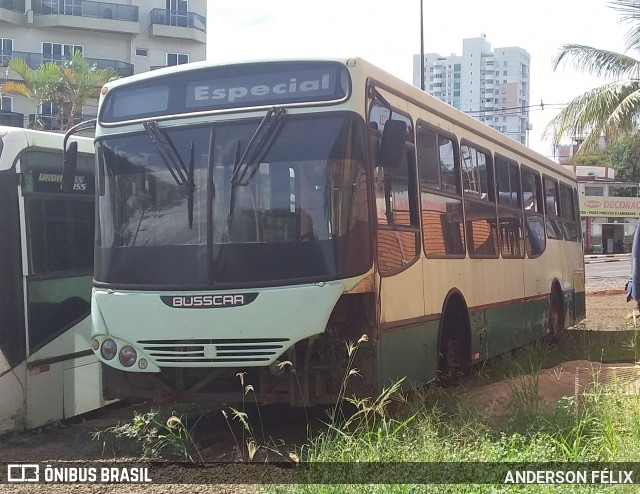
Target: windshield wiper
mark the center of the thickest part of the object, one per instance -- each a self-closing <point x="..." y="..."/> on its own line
<point x="183" y="175"/>
<point x="168" y="152"/>
<point x="259" y="145"/>
<point x="245" y="166"/>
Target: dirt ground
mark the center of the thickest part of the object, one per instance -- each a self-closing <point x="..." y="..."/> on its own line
<point x="607" y="310"/>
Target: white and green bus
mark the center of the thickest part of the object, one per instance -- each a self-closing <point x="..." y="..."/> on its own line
<point x="47" y="369"/>
<point x="253" y="217"/>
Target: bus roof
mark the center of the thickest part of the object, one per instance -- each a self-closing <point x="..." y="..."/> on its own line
<point x="459" y="118"/>
<point x="14" y="139"/>
<point x="409" y="91"/>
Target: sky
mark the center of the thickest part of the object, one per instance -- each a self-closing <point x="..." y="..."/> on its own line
<point x="387" y="33"/>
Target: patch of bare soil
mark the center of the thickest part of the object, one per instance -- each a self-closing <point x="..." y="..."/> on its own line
<point x="569" y="379"/>
<point x="607" y="310"/>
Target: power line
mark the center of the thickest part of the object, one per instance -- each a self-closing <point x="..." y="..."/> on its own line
<point x="539" y="106"/>
<point x="491" y="114"/>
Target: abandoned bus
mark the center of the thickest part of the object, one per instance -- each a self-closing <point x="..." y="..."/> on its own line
<point x="253" y="217"/>
<point x="47" y="369"/>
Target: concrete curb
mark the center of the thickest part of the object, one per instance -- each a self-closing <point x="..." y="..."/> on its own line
<point x="606" y="258"/>
<point x="587" y="261"/>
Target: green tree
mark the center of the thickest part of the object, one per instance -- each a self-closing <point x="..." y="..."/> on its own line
<point x="81" y="81"/>
<point x="599" y="157"/>
<point x="611" y="110"/>
<point x="69" y="86"/>
<point x="624" y="155"/>
<point x="38" y="85"/>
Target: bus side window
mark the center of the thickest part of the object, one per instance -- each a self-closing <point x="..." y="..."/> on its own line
<point x="12" y="340"/>
<point x="61" y="241"/>
<point x="535" y="238"/>
<point x="576" y="209"/>
<point x="61" y="232"/>
<point x="568" y="212"/>
<point x="440" y="193"/>
<point x="395" y="193"/>
<point x="509" y="208"/>
<point x="554" y="225"/>
<point x="479" y="202"/>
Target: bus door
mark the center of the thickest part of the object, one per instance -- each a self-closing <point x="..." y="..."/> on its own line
<point x="57" y="265"/>
<point x="402" y="349"/>
<point x="12" y="329"/>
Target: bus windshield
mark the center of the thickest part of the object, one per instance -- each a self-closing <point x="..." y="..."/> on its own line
<point x="296" y="216"/>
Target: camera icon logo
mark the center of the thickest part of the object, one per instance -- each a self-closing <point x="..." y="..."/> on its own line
<point x="23" y="472"/>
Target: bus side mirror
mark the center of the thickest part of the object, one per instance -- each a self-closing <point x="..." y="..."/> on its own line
<point x="392" y="144"/>
<point x="69" y="160"/>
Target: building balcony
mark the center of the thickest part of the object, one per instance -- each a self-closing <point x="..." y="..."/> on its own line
<point x="54" y="122"/>
<point x="11" y="119"/>
<point x="178" y="24"/>
<point x="88" y="15"/>
<point x="12" y="12"/>
<point x="34" y="60"/>
<point x="13" y="5"/>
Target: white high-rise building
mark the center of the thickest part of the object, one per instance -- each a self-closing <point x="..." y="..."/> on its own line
<point x="129" y="36"/>
<point x="492" y="86"/>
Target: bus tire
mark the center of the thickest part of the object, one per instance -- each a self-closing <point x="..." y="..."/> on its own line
<point x="556" y="313"/>
<point x="455" y="342"/>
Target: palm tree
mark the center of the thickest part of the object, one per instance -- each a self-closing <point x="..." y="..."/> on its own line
<point x="38" y="85"/>
<point x="81" y="81"/>
<point x="611" y="110"/>
<point x="69" y="86"/>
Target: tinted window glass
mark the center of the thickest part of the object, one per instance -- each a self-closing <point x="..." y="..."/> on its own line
<point x="440" y="201"/>
<point x="396" y="197"/>
<point x="476" y="173"/>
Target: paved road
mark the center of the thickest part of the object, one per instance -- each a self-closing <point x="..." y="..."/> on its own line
<point x="610" y="268"/>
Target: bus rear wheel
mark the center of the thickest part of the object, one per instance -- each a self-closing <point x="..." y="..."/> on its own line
<point x="556" y="314"/>
<point x="454" y="361"/>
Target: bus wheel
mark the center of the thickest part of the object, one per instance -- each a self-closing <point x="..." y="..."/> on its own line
<point x="556" y="313"/>
<point x="454" y="363"/>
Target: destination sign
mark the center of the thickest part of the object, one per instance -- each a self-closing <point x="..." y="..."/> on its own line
<point x="227" y="87"/>
<point x="44" y="181"/>
<point x="272" y="88"/>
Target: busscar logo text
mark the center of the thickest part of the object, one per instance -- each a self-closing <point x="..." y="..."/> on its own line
<point x="209" y="301"/>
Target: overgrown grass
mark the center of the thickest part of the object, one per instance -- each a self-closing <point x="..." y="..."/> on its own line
<point x="443" y="426"/>
<point x="601" y="424"/>
<point x="151" y="435"/>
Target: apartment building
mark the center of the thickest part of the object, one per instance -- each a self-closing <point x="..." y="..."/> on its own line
<point x="130" y="36"/>
<point x="491" y="86"/>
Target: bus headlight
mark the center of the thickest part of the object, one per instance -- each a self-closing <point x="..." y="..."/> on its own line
<point x="109" y="349"/>
<point x="128" y="356"/>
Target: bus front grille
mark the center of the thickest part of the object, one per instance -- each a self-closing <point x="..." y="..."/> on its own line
<point x="206" y="351"/>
